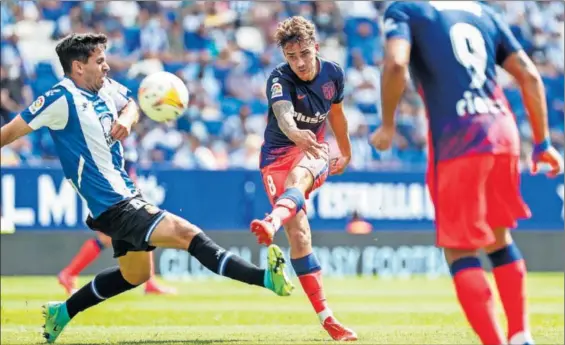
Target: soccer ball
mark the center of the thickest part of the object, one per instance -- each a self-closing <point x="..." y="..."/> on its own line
<point x="163" y="96"/>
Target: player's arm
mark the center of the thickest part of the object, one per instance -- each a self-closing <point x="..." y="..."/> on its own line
<point x="513" y="59"/>
<point x="395" y="67"/>
<point x="127" y="117"/>
<point x="284" y="112"/>
<point x="280" y="101"/>
<point x="13" y="130"/>
<point x="393" y="79"/>
<point x="128" y="113"/>
<point x="338" y="123"/>
<point x="49" y="110"/>
<point x="305" y="139"/>
<point x="521" y="67"/>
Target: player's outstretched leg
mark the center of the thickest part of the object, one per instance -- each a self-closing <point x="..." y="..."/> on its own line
<point x="474" y="294"/>
<point x="88" y="252"/>
<point x="509" y="270"/>
<point x="175" y="232"/>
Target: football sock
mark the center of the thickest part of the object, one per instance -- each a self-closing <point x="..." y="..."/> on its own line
<point x="475" y="297"/>
<point x="106" y="284"/>
<point x="509" y="270"/>
<point x="286" y="207"/>
<point x="87" y="253"/>
<point x="309" y="273"/>
<point x="224" y="263"/>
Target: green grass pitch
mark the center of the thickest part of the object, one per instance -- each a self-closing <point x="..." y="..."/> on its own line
<point x="407" y="311"/>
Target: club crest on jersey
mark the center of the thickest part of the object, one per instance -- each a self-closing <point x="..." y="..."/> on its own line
<point x="37" y="105"/>
<point x="329" y="90"/>
<point x="151" y="209"/>
<point x="276" y="90"/>
<point x="106" y="120"/>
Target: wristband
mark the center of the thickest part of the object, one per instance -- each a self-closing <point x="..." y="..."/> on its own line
<point x="541" y="147"/>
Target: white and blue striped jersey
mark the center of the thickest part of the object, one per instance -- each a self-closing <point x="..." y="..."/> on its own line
<point x="80" y="122"/>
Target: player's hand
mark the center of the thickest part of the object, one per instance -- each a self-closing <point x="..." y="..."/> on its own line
<point x="120" y="130"/>
<point x="382" y="138"/>
<point x="338" y="165"/>
<point x="306" y="141"/>
<point x="548" y="156"/>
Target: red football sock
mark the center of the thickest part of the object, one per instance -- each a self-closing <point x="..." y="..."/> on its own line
<point x="475" y="297"/>
<point x="511" y="284"/>
<point x="312" y="286"/>
<point x="86" y="254"/>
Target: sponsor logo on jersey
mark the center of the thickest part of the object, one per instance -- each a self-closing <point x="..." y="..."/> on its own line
<point x="318" y="117"/>
<point x="471" y="104"/>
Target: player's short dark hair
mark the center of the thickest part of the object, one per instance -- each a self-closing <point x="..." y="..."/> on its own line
<point x="78" y="47"/>
<point x="295" y="29"/>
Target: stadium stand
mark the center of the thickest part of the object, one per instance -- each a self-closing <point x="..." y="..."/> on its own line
<point x="224" y="51"/>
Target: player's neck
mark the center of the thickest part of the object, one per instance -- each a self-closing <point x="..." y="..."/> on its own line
<point x="81" y="84"/>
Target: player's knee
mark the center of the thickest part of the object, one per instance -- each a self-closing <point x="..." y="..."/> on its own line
<point x="502" y="239"/>
<point x="452" y="254"/>
<point x="299" y="178"/>
<point x="184" y="231"/>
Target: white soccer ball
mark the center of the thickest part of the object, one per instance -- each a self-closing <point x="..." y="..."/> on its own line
<point x="163" y="96"/>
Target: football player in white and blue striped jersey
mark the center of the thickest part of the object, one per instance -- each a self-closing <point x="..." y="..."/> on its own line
<point x="88" y="115"/>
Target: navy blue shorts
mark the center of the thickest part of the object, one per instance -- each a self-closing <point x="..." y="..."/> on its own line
<point x="129" y="223"/>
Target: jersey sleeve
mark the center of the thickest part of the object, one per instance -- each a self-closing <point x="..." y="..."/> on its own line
<point x="397" y="22"/>
<point x="120" y="94"/>
<point x="278" y="89"/>
<point x="507" y="44"/>
<point x="340" y="85"/>
<point x="48" y="110"/>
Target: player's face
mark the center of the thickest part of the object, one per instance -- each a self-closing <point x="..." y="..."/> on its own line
<point x="95" y="70"/>
<point x="301" y="56"/>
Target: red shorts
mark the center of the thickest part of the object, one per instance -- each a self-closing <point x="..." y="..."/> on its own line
<point x="474" y="195"/>
<point x="274" y="175"/>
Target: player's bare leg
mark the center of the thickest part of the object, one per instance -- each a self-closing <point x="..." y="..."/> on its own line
<point x="299" y="180"/>
<point x="474" y="294"/>
<point x="88" y="252"/>
<point x="509" y="270"/>
<point x="309" y="273"/>
<point x="286" y="207"/>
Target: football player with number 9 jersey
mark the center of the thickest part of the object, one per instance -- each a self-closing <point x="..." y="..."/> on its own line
<point x="452" y="49"/>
